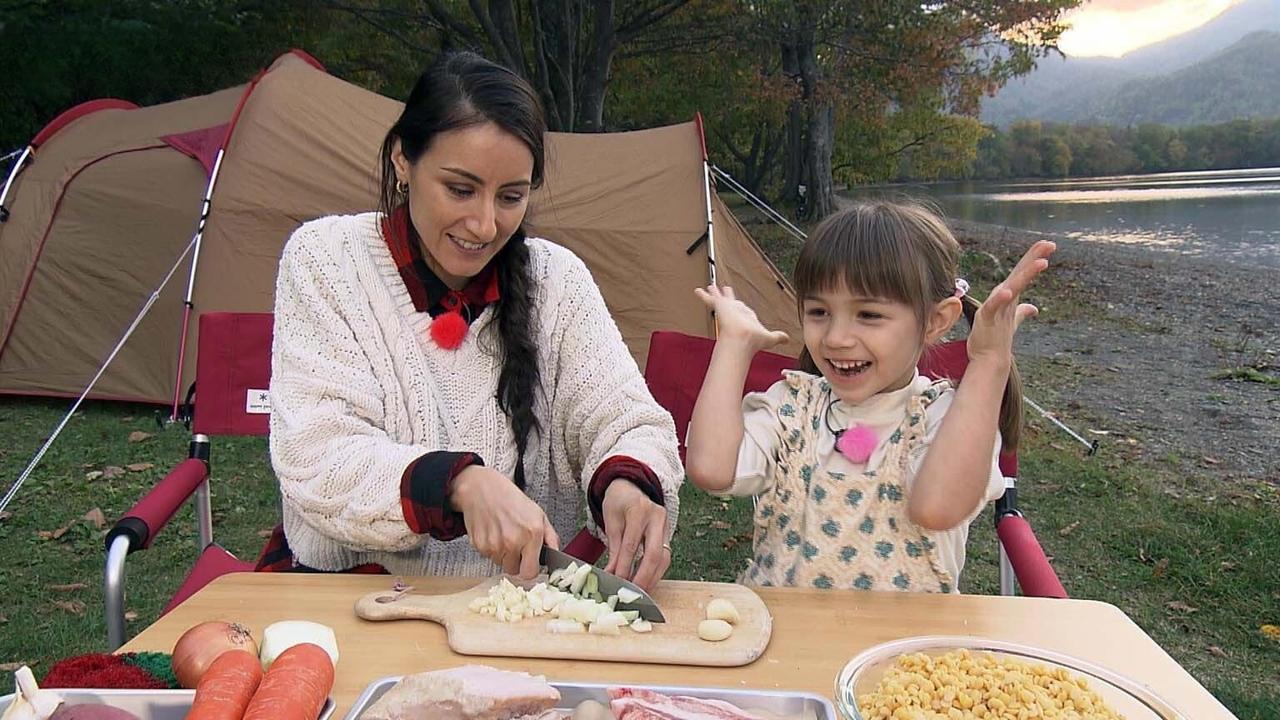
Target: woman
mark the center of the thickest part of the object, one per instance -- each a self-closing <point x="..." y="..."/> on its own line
<point x="446" y="392"/>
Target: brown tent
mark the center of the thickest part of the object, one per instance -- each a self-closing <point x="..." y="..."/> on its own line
<point x="111" y="196"/>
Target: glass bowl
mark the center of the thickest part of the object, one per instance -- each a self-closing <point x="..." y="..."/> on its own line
<point x="1125" y="697"/>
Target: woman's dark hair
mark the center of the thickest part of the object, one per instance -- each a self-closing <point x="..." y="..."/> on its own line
<point x="460" y="90"/>
<point x="900" y="250"/>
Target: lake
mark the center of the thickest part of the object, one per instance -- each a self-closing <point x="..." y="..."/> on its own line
<point x="1228" y="214"/>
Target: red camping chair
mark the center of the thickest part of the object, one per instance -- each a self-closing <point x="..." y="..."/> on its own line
<point x="233" y="367"/>
<point x="677" y="364"/>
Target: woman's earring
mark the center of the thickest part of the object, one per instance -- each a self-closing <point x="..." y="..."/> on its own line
<point x="402" y="187"/>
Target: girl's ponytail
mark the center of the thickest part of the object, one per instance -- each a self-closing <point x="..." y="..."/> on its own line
<point x="1011" y="405"/>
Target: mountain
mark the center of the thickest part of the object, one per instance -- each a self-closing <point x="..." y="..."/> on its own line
<point x="1090" y="90"/>
<point x="1242" y="81"/>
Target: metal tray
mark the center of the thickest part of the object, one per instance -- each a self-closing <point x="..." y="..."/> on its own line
<point x="146" y="704"/>
<point x="773" y="704"/>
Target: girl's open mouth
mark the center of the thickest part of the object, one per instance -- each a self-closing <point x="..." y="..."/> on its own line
<point x="849" y="368"/>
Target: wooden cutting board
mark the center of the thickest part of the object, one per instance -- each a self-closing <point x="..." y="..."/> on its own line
<point x="674" y="642"/>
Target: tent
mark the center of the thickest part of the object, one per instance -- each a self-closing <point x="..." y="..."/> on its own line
<point x="109" y="197"/>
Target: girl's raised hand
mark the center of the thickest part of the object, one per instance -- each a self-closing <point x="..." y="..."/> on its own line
<point x="737" y="322"/>
<point x="999" y="317"/>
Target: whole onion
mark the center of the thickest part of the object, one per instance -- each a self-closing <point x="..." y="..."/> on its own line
<point x="201" y="644"/>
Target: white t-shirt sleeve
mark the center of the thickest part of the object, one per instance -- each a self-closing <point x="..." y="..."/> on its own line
<point x="934" y="414"/>
<point x="761" y="439"/>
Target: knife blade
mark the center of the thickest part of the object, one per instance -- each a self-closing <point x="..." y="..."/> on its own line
<point x="608" y="584"/>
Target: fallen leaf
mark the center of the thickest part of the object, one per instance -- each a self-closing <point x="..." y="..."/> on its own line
<point x="265" y="533"/>
<point x="112" y="471"/>
<point x="95" y="518"/>
<point x="5" y="515"/>
<point x="93" y="475"/>
<point x="11" y="666"/>
<point x="1143" y="556"/>
<point x="138" y="436"/>
<point x="1162" y="567"/>
<point x="130" y="615"/>
<point x="1216" y="651"/>
<point x="75" y="607"/>
<point x="720" y="525"/>
<point x="699" y="533"/>
<point x="51" y="534"/>
<point x="1099" y="432"/>
<point x="1210" y="461"/>
<point x="1227" y="565"/>
<point x="1069" y="529"/>
<point x="1179" y="606"/>
<point x="1057" y="446"/>
<point x="127" y="418"/>
<point x="139" y="467"/>
<point x="3" y="619"/>
<point x="67" y="587"/>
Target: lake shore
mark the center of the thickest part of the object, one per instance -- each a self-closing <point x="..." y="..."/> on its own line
<point x="1145" y="351"/>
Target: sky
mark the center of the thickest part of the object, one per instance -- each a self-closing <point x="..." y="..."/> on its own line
<point x="1114" y="27"/>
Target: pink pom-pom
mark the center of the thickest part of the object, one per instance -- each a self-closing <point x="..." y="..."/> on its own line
<point x="857" y="443"/>
<point x="448" y="330"/>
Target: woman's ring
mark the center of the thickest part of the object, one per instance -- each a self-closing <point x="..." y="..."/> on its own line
<point x="666" y="546"/>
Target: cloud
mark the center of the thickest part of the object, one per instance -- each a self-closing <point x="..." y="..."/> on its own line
<point x="1115" y="27"/>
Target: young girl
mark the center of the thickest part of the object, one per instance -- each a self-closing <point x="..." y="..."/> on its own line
<point x="861" y="482"/>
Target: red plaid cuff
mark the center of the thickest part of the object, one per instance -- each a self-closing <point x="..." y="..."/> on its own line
<point x="621" y="467"/>
<point x="424" y="493"/>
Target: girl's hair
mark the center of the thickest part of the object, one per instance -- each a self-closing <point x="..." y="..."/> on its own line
<point x="901" y="251"/>
<point x="460" y="90"/>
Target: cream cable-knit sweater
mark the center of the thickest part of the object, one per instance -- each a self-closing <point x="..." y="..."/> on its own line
<point x="358" y="391"/>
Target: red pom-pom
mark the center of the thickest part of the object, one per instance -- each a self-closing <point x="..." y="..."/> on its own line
<point x="448" y="330"/>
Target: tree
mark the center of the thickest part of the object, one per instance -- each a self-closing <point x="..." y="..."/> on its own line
<point x="565" y="48"/>
<point x="873" y="56"/>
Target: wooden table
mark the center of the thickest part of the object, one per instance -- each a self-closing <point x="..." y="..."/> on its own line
<point x="815" y="633"/>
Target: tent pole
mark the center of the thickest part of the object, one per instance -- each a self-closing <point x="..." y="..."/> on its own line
<point x="759" y="204"/>
<point x="13" y="174"/>
<point x="706" y="191"/>
<point x="205" y="208"/>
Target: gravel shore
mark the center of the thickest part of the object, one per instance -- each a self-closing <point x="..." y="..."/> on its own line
<point x="1134" y="346"/>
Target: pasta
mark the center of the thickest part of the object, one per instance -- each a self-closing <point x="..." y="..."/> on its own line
<point x="961" y="685"/>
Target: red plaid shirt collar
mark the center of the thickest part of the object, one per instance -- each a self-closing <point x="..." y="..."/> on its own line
<point x="426" y="289"/>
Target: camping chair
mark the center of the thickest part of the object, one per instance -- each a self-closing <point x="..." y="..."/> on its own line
<point x="233" y="367"/>
<point x="677" y="364"/>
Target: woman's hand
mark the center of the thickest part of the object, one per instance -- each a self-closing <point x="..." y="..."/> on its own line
<point x="633" y="521"/>
<point x="995" y="323"/>
<point x="737" y="322"/>
<point x="503" y="523"/>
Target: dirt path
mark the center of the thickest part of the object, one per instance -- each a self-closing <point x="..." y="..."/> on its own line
<point x="1135" y="342"/>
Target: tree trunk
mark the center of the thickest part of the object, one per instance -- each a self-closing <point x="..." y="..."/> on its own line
<point x="595" y="69"/>
<point x="819" y="137"/>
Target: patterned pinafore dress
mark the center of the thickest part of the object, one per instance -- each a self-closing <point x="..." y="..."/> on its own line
<point x="824" y="529"/>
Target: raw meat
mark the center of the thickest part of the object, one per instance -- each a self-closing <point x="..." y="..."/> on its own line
<point x="641" y="704"/>
<point x="470" y="692"/>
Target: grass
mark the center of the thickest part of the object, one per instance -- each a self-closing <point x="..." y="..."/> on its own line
<point x="1249" y="374"/>
<point x="1195" y="569"/>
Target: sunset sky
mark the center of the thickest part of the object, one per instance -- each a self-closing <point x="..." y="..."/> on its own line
<point x="1114" y="27"/>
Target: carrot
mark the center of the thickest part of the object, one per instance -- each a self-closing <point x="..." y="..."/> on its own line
<point x="295" y="687"/>
<point x="226" y="687"/>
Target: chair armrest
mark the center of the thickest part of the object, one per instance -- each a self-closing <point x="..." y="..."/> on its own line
<point x="1035" y="574"/>
<point x="148" y="517"/>
<point x="137" y="529"/>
